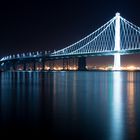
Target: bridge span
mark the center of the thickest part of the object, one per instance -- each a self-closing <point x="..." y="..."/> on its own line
<point x="116" y="37"/>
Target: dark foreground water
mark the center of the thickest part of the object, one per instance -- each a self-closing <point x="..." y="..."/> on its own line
<point x="70" y="105"/>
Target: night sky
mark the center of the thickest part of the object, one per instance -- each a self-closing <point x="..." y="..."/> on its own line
<point x="54" y="24"/>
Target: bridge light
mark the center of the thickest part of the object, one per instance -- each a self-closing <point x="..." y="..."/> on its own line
<point x="17" y="55"/>
<point x="30" y="54"/>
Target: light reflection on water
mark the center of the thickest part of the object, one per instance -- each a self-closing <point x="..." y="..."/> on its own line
<point x="117" y="108"/>
<point x="89" y="105"/>
<point x="131" y="105"/>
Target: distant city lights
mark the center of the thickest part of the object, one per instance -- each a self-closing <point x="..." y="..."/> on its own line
<point x="127" y="68"/>
<point x="75" y="68"/>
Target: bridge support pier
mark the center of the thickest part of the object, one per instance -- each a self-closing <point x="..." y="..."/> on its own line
<point x="5" y="67"/>
<point x="24" y="66"/>
<point x="82" y="63"/>
<point x="51" y="64"/>
<point x="14" y="66"/>
<point x="34" y="66"/>
<point x="43" y="65"/>
<point x="65" y="64"/>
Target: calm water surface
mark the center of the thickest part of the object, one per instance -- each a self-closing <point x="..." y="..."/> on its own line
<point x="71" y="105"/>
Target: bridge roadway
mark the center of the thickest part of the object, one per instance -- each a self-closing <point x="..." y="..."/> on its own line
<point x="78" y="59"/>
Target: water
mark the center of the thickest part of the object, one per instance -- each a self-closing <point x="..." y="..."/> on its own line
<point x="71" y="105"/>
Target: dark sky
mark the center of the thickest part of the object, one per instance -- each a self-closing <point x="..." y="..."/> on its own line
<point x="53" y="24"/>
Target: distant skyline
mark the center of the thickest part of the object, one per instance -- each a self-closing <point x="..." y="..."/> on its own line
<point x="28" y="26"/>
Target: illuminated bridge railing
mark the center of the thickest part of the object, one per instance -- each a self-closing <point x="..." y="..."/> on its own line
<point x="26" y="55"/>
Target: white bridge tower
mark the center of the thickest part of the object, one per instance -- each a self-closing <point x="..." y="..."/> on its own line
<point x="117" y="58"/>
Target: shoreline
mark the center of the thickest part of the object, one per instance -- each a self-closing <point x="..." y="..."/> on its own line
<point x="77" y="71"/>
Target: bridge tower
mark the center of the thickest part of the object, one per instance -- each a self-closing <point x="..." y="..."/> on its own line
<point x="117" y="58"/>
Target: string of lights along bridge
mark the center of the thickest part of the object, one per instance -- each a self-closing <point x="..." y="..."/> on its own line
<point x="116" y="37"/>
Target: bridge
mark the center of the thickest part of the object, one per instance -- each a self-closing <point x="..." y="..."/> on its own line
<point x="116" y="37"/>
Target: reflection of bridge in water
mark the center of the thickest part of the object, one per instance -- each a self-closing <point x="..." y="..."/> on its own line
<point x="117" y="37"/>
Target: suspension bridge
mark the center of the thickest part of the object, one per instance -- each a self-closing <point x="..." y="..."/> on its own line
<point x="116" y="37"/>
